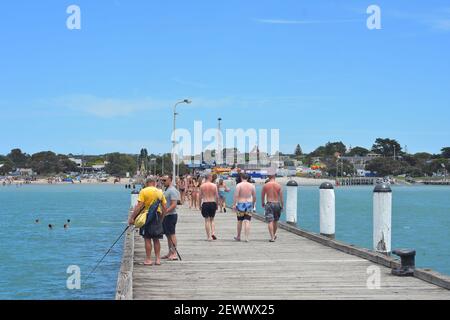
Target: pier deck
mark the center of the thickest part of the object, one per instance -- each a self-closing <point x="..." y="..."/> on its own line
<point x="293" y="267"/>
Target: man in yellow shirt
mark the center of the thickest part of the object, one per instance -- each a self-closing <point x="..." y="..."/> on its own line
<point x="147" y="198"/>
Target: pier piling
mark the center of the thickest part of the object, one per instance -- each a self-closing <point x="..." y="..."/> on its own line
<point x="134" y="198"/>
<point x="327" y="210"/>
<point x="382" y="218"/>
<point x="291" y="202"/>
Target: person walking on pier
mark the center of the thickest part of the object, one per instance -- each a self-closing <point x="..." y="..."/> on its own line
<point x="272" y="202"/>
<point x="244" y="203"/>
<point x="152" y="200"/>
<point x="170" y="219"/>
<point x="222" y="187"/>
<point x="209" y="197"/>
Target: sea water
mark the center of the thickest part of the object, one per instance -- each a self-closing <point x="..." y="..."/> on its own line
<point x="35" y="259"/>
<point x="420" y="219"/>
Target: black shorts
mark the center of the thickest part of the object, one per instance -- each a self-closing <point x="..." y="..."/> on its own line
<point x="169" y="224"/>
<point x="247" y="217"/>
<point x="209" y="209"/>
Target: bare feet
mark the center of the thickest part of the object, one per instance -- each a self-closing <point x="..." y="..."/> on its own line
<point x="237" y="239"/>
<point x="214" y="237"/>
<point x="148" y="262"/>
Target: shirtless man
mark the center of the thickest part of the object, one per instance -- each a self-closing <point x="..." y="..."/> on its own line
<point x="272" y="202"/>
<point x="244" y="203"/>
<point x="209" y="197"/>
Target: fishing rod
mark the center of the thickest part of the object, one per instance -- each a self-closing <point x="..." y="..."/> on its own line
<point x="173" y="246"/>
<point x="109" y="250"/>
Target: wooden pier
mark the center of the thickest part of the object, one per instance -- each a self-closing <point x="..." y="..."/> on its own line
<point x="299" y="265"/>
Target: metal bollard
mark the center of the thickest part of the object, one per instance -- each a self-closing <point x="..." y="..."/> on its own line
<point x="407" y="258"/>
<point x="291" y="202"/>
<point x="382" y="218"/>
<point x="134" y="198"/>
<point x="327" y="210"/>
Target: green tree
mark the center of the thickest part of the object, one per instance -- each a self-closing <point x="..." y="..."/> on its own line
<point x="386" y="147"/>
<point x="358" y="151"/>
<point x="298" y="151"/>
<point x="6" y="165"/>
<point x="445" y="152"/>
<point x="343" y="167"/>
<point x="144" y="161"/>
<point x="385" y="166"/>
<point x="45" y="162"/>
<point x="67" y="165"/>
<point x="119" y="164"/>
<point x="19" y="158"/>
<point x="329" y="149"/>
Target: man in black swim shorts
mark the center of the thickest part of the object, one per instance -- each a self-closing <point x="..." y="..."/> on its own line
<point x="209" y="197"/>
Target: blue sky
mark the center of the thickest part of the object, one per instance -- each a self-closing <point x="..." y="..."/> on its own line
<point x="310" y="68"/>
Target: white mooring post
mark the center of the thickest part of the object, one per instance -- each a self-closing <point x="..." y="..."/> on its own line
<point x="382" y="218"/>
<point x="327" y="210"/>
<point x="134" y="198"/>
<point x="291" y="202"/>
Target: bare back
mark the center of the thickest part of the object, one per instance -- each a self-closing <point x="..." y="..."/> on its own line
<point x="245" y="192"/>
<point x="208" y="192"/>
<point x="272" y="192"/>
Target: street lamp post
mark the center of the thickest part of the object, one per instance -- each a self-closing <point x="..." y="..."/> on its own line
<point x="219" y="144"/>
<point x="174" y="138"/>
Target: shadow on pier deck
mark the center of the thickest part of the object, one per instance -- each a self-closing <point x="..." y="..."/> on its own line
<point x="294" y="267"/>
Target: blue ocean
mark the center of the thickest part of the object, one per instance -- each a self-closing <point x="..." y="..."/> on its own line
<point x="34" y="259"/>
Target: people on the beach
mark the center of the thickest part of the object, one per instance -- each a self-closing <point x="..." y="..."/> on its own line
<point x="170" y="218"/>
<point x="181" y="185"/>
<point x="243" y="204"/>
<point x="209" y="198"/>
<point x="195" y="203"/>
<point x="153" y="201"/>
<point x="223" y="189"/>
<point x="272" y="202"/>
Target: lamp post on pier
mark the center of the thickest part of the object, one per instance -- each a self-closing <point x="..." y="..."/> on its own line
<point x="174" y="167"/>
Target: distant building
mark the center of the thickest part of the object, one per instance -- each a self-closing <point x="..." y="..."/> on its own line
<point x="79" y="162"/>
<point x="359" y="162"/>
<point x="24" y="172"/>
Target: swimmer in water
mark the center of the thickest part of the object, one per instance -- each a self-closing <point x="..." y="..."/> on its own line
<point x="36" y="221"/>
<point x="66" y="226"/>
<point x="50" y="226"/>
<point x="68" y="220"/>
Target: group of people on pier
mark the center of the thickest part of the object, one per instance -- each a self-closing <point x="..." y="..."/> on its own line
<point x="208" y="195"/>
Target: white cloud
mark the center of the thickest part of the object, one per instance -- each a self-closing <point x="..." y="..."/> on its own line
<point x="435" y="19"/>
<point x="189" y="83"/>
<point x="441" y="24"/>
<point x="107" y="107"/>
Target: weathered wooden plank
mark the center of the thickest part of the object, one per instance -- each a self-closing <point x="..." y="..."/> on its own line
<point x="294" y="267"/>
<point x="124" y="288"/>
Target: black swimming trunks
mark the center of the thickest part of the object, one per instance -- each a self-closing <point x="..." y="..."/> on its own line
<point x="209" y="209"/>
<point x="169" y="224"/>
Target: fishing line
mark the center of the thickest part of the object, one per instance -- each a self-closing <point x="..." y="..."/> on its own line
<point x="109" y="250"/>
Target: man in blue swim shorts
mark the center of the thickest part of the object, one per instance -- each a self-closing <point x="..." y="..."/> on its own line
<point x="244" y="204"/>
